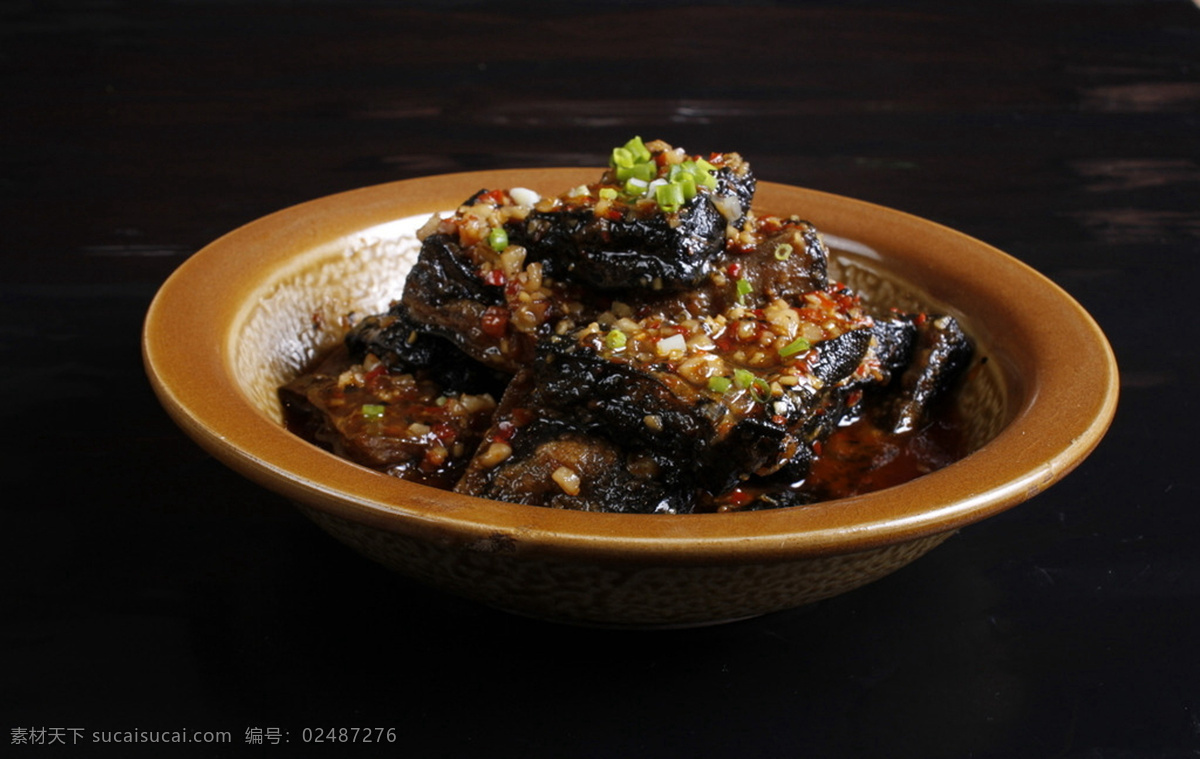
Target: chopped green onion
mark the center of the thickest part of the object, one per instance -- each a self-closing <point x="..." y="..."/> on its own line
<point x="615" y="339"/>
<point x="696" y="172"/>
<point x="635" y="186"/>
<point x="687" y="184"/>
<point x="635" y="167"/>
<point x="498" y="239"/>
<point x="638" y="149"/>
<point x="719" y="384"/>
<point x="799" y="345"/>
<point x="760" y="390"/>
<point x="669" y="197"/>
<point x="608" y="193"/>
<point x="372" y="411"/>
<point x="744" y="288"/>
<point x="633" y="160"/>
<point x="783" y="251"/>
<point x="646" y="170"/>
<point x="622" y="157"/>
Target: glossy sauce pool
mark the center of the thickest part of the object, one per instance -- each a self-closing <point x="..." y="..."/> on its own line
<point x="860" y="457"/>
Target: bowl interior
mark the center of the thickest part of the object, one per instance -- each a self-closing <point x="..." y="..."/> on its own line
<point x="247" y="313"/>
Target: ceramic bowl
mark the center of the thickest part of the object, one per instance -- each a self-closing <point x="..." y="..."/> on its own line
<point x="250" y="310"/>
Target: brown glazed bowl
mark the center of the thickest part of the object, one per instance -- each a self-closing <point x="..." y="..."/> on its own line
<point x="250" y="310"/>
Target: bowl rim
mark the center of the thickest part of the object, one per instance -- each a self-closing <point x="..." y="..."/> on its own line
<point x="1062" y="407"/>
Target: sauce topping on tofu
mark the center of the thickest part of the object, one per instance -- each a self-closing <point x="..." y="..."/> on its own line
<point x="646" y="343"/>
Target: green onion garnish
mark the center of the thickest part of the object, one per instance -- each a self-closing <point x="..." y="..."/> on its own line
<point x="760" y="390"/>
<point x="498" y="239"/>
<point x="799" y="345"/>
<point x="635" y="187"/>
<point x="744" y="288"/>
<point x="645" y="171"/>
<point x="372" y="411"/>
<point x="719" y="384"/>
<point x="638" y="149"/>
<point x="615" y="339"/>
<point x="669" y="197"/>
<point x="621" y="158"/>
<point x="687" y="185"/>
<point x="783" y="251"/>
<point x="634" y="161"/>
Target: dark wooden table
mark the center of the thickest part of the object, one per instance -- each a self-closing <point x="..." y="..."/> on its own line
<point x="146" y="587"/>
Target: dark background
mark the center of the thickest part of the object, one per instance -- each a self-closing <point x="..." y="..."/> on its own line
<point x="146" y="587"/>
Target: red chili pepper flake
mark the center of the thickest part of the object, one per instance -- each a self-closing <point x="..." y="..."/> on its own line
<point x="739" y="498"/>
<point x="433" y="459"/>
<point x="734" y="269"/>
<point x="376" y="371"/>
<point x="504" y="431"/>
<point x="445" y="432"/>
<point x="495" y="278"/>
<point x="494" y="321"/>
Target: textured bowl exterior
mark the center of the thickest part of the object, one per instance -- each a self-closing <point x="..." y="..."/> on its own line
<point x="256" y="306"/>
<point x="622" y="593"/>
